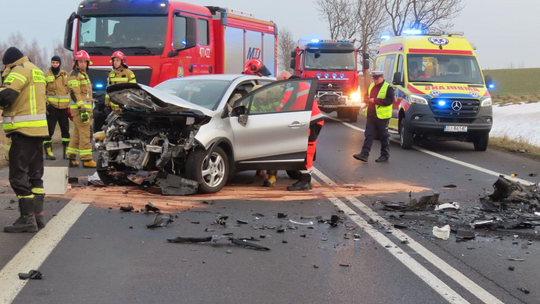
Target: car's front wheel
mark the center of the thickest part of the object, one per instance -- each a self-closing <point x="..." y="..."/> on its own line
<point x="211" y="171"/>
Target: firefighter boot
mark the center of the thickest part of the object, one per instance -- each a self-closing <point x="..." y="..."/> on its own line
<point x="304" y="183"/>
<point x="89" y="164"/>
<point x="48" y="152"/>
<point x="271" y="181"/>
<point x="65" y="145"/>
<point x="26" y="222"/>
<point x="38" y="210"/>
<point x="73" y="161"/>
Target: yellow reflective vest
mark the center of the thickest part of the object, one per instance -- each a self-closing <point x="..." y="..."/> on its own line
<point x="80" y="91"/>
<point x="383" y="112"/>
<point x="121" y="75"/>
<point x="27" y="114"/>
<point x="57" y="90"/>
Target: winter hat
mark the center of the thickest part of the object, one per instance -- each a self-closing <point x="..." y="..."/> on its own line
<point x="56" y="58"/>
<point x="11" y="55"/>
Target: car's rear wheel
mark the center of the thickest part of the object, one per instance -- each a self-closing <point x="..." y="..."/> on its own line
<point x="481" y="142"/>
<point x="406" y="137"/>
<point x="211" y="171"/>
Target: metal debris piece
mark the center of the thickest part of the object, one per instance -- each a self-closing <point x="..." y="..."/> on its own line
<point x="176" y="185"/>
<point x="161" y="220"/>
<point x="400" y="226"/>
<point x="243" y="222"/>
<point x="221" y="220"/>
<point x="450" y="186"/>
<point x="515" y="259"/>
<point x="446" y="206"/>
<point x="215" y="238"/>
<point x="129" y="208"/>
<point x="300" y="223"/>
<point x="281" y="215"/>
<point x="32" y="275"/>
<point x="465" y="235"/>
<point x="526" y="291"/>
<point x="424" y="203"/>
<point x="149" y="207"/>
<point x="280" y="229"/>
<point x="344" y="265"/>
<point x="143" y="177"/>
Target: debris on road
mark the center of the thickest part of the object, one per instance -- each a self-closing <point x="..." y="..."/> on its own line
<point x="450" y="186"/>
<point x="94" y="180"/>
<point x="465" y="235"/>
<point x="515" y="259"/>
<point x="526" y="291"/>
<point x="129" y="208"/>
<point x="149" y="207"/>
<point x="32" y="275"/>
<point x="424" y="203"/>
<point x="446" y="206"/>
<point x="10" y="208"/>
<point x="221" y="220"/>
<point x="301" y="223"/>
<point x="281" y="215"/>
<point x="242" y="222"/>
<point x="215" y="238"/>
<point x="442" y="232"/>
<point x="161" y="220"/>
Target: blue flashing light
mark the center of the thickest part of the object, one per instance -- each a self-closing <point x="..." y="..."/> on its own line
<point x="326" y="75"/>
<point x="334" y="75"/>
<point x="315" y="40"/>
<point x="184" y="42"/>
<point x="491" y="86"/>
<point x="99" y="86"/>
<point x="385" y="37"/>
<point x="442" y="103"/>
<point x="319" y="75"/>
<point x="412" y="32"/>
<point x="341" y="75"/>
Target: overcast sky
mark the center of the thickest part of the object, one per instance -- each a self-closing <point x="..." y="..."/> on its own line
<point x="504" y="31"/>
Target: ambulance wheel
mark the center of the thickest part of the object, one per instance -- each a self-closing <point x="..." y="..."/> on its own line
<point x="293" y="174"/>
<point x="353" y="115"/>
<point x="481" y="142"/>
<point x="406" y="137"/>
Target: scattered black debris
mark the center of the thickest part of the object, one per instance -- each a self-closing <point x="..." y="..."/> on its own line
<point x="196" y="222"/>
<point x="262" y="236"/>
<point x="282" y="215"/>
<point x="465" y="235"/>
<point x="405" y="242"/>
<point x="511" y="268"/>
<point x="86" y="237"/>
<point x="334" y="220"/>
<point x="242" y="222"/>
<point x="209" y="230"/>
<point x="424" y="203"/>
<point x="160" y="220"/>
<point x="149" y="207"/>
<point x="516" y="259"/>
<point x="344" y="265"/>
<point x="221" y="220"/>
<point x="208" y="203"/>
<point x="130" y="227"/>
<point x="258" y="214"/>
<point x="32" y="275"/>
<point x="176" y="185"/>
<point x="450" y="186"/>
<point x="125" y="192"/>
<point x="303" y="235"/>
<point x="400" y="226"/>
<point x="533" y="174"/>
<point x="284" y="242"/>
<point x="12" y="201"/>
<point x="316" y="266"/>
<point x="129" y="208"/>
<point x="10" y="208"/>
<point x="526" y="291"/>
<point x="280" y="229"/>
<point x="215" y="238"/>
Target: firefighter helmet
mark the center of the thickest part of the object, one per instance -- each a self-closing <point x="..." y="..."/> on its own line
<point x="256" y="67"/>
<point x="121" y="56"/>
<point x="81" y="55"/>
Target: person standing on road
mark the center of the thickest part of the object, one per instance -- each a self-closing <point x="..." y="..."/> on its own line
<point x="80" y="91"/>
<point x="57" y="106"/>
<point x="378" y="113"/>
<point x="22" y="99"/>
<point x="120" y="74"/>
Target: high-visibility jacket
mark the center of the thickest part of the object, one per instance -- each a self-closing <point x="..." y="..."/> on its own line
<point x="22" y="94"/>
<point x="80" y="91"/>
<point x="57" y="90"/>
<point x="383" y="112"/>
<point x="299" y="103"/>
<point x="120" y="75"/>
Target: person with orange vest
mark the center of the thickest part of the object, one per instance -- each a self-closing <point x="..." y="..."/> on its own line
<point x="23" y="104"/>
<point x="81" y="95"/>
<point x="378" y="114"/>
<point x="120" y="74"/>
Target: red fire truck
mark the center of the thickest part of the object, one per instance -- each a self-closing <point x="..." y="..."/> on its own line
<point x="334" y="62"/>
<point x="166" y="39"/>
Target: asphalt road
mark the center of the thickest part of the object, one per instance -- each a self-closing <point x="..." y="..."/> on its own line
<point x="93" y="253"/>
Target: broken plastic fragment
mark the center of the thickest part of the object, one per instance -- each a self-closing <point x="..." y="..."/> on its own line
<point x="300" y="223"/>
<point x="442" y="233"/>
<point x="129" y="208"/>
<point x="149" y="207"/>
<point x="242" y="222"/>
<point x="450" y="186"/>
<point x="453" y="205"/>
<point x="464" y="234"/>
<point x="526" y="291"/>
<point x="282" y="215"/>
<point x="516" y="259"/>
<point x="221" y="220"/>
<point x="160" y="220"/>
<point x="32" y="275"/>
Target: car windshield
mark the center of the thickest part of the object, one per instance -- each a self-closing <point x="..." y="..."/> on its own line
<point x="443" y="68"/>
<point x="321" y="61"/>
<point x="204" y="93"/>
<point x="104" y="35"/>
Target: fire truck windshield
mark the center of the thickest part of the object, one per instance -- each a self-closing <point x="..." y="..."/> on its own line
<point x="134" y="35"/>
<point x="323" y="61"/>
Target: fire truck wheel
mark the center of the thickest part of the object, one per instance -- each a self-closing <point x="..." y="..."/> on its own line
<point x="481" y="142"/>
<point x="406" y="137"/>
<point x="342" y="113"/>
<point x="353" y="115"/>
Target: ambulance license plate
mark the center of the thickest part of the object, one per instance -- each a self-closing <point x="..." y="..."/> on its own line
<point x="455" y="128"/>
<point x="329" y="106"/>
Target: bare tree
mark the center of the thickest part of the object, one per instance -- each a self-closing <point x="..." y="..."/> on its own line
<point x="398" y="11"/>
<point x="436" y="14"/>
<point x="37" y="55"/>
<point x="65" y="55"/>
<point x="340" y="16"/>
<point x="286" y="45"/>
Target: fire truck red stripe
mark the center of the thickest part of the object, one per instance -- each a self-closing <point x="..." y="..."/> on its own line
<point x="455" y="52"/>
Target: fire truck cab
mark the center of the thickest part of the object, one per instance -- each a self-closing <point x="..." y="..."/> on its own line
<point x="334" y="63"/>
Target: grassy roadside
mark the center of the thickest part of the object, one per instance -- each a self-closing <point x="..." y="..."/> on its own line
<point x="520" y="146"/>
<point x="515" y="85"/>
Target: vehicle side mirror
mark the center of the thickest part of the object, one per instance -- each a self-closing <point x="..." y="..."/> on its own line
<point x="489" y="82"/>
<point x="397" y="79"/>
<point x="238" y="110"/>
<point x="293" y="54"/>
<point x="293" y="63"/>
<point x="68" y="35"/>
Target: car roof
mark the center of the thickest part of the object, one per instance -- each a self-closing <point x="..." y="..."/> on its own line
<point x="226" y="77"/>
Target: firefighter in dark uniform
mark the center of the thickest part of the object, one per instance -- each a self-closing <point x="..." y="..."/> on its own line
<point x="23" y="101"/>
<point x="378" y="113"/>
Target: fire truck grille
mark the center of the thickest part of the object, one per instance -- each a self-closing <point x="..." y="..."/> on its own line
<point x="330" y="86"/>
<point x="455" y="107"/>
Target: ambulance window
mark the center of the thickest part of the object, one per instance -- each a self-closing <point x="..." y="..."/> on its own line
<point x="379" y="64"/>
<point x="203" y="32"/>
<point x="179" y="35"/>
<point x="389" y="65"/>
<point x="399" y="67"/>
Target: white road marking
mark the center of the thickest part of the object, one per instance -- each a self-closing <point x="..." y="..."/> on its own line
<point x="449" y="159"/>
<point x="424" y="274"/>
<point x="34" y="253"/>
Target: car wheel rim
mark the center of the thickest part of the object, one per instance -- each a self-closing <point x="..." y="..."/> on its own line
<point x="213" y="170"/>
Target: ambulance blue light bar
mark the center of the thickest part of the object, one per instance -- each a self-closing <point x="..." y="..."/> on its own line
<point x="315" y="40"/>
<point x="412" y="32"/>
<point x="385" y="37"/>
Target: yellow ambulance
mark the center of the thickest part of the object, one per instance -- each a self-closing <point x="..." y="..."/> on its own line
<point x="440" y="92"/>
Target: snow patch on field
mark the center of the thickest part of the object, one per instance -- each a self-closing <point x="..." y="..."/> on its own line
<point x="521" y="121"/>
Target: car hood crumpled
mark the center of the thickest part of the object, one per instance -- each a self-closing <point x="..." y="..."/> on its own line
<point x="144" y="97"/>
